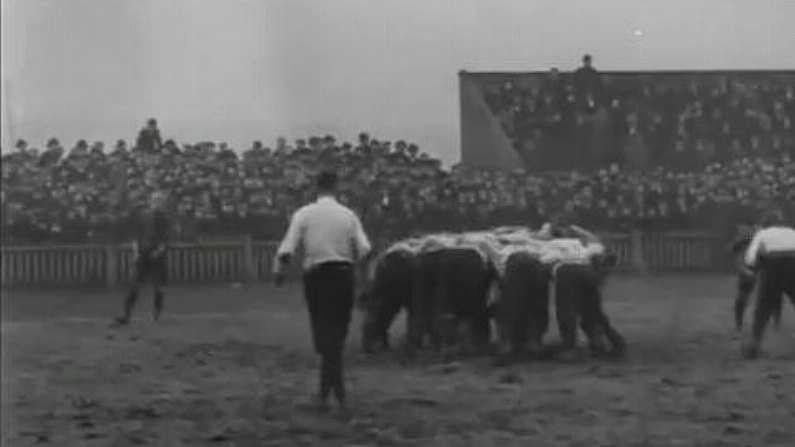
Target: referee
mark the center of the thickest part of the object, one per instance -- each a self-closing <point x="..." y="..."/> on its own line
<point x="332" y="239"/>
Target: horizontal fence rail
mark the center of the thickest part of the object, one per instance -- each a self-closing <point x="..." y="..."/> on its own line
<point x="250" y="261"/>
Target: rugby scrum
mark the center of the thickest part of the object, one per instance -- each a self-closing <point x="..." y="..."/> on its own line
<point x="452" y="285"/>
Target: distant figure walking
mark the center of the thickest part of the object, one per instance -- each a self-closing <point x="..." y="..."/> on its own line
<point x="150" y="256"/>
<point x="332" y="240"/>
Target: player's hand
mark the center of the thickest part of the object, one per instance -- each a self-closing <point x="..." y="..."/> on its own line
<point x="747" y="271"/>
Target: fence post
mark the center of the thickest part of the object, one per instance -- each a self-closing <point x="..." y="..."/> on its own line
<point x="249" y="272"/>
<point x="111" y="266"/>
<point x="636" y="244"/>
<point x="7" y="259"/>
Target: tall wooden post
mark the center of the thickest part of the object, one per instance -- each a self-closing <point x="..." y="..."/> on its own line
<point x="249" y="270"/>
<point x="638" y="260"/>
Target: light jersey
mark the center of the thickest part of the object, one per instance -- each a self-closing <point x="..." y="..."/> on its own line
<point x="435" y="242"/>
<point x="570" y="251"/>
<point x="531" y="247"/>
<point x="771" y="240"/>
<point x="412" y="246"/>
<point x="551" y="253"/>
<point x="495" y="247"/>
<point x="326" y="231"/>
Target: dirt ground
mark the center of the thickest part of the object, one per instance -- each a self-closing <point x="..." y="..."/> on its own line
<point x="232" y="365"/>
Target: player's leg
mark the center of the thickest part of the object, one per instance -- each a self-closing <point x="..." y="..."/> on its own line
<point x="789" y="283"/>
<point x="589" y="308"/>
<point x="568" y="287"/>
<point x="770" y="290"/>
<point x="538" y="296"/>
<point x="158" y="283"/>
<point x="421" y="302"/>
<point x="617" y="341"/>
<point x="315" y="290"/>
<point x="139" y="278"/>
<point x="341" y="281"/>
<point x="745" y="285"/>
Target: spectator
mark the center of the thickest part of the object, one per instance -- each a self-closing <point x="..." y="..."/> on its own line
<point x="588" y="85"/>
<point x="149" y="138"/>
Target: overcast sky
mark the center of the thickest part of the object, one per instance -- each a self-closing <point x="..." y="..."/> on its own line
<point x="239" y="70"/>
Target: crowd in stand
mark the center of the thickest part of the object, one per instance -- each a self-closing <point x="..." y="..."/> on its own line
<point x="91" y="194"/>
<point x="638" y="120"/>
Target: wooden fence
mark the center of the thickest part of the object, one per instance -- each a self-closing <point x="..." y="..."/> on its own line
<point x="251" y="261"/>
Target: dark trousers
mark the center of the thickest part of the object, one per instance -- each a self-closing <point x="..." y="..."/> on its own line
<point x="776" y="278"/>
<point x="153" y="269"/>
<point x="329" y="290"/>
<point x="524" y="304"/>
<point x="578" y="297"/>
<point x="745" y="285"/>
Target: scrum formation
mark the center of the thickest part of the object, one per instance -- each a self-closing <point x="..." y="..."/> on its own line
<point x="452" y="285"/>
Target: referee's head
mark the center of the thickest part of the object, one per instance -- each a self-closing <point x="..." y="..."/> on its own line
<point x="326" y="182"/>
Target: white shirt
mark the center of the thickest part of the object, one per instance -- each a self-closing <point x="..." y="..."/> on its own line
<point x="770" y="240"/>
<point x="326" y="231"/>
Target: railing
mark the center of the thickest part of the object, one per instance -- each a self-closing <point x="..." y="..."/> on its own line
<point x="249" y="261"/>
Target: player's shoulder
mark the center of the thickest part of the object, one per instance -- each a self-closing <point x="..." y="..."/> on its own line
<point x="347" y="211"/>
<point x="303" y="210"/>
<point x="775" y="232"/>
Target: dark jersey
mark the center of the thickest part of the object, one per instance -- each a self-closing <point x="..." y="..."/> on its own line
<point x="153" y="229"/>
<point x="148" y="140"/>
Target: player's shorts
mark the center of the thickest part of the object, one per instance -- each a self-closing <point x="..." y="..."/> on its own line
<point x="154" y="269"/>
<point x="745" y="281"/>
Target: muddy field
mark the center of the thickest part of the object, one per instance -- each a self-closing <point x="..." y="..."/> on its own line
<point x="232" y="365"/>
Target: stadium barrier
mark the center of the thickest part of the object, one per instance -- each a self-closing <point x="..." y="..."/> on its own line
<point x="245" y="260"/>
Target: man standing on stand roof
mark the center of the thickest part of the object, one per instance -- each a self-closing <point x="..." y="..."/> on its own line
<point x="332" y="240"/>
<point x="149" y="140"/>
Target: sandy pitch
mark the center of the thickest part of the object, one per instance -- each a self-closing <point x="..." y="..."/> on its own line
<point x="232" y="366"/>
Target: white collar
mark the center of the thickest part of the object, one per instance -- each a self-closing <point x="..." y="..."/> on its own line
<point x="326" y="198"/>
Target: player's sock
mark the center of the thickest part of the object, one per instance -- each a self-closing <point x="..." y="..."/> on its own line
<point x="158" y="309"/>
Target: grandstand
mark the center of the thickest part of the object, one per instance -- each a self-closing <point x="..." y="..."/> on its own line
<point x="88" y="195"/>
<point x="652" y="151"/>
<point x="683" y="120"/>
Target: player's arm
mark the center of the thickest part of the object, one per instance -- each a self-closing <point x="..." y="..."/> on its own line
<point x="584" y="234"/>
<point x="545" y="232"/>
<point x="363" y="252"/>
<point x="753" y="251"/>
<point x="289" y="245"/>
<point x="362" y="247"/>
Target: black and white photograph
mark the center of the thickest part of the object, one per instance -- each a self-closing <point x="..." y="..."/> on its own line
<point x="355" y="223"/>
